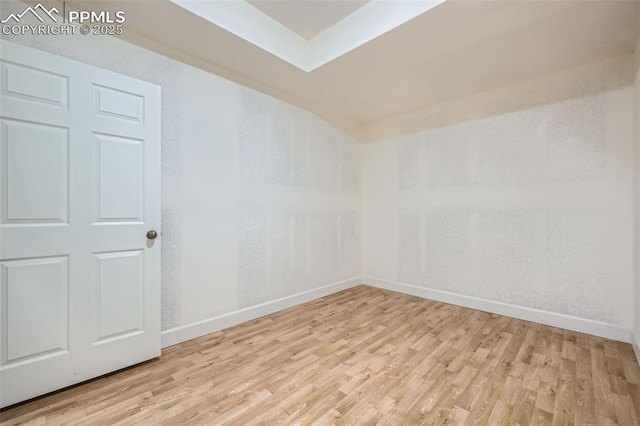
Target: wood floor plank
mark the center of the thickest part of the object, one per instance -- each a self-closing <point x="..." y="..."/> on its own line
<point x="364" y="356"/>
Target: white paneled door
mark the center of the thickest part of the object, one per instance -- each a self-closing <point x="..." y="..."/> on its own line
<point x="80" y="192"/>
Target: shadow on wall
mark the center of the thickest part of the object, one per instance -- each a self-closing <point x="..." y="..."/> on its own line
<point x="555" y="88"/>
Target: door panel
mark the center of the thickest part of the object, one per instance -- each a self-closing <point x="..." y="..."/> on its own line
<point x="80" y="187"/>
<point x="121" y="289"/>
<point x="37" y="315"/>
<point x="120" y="172"/>
<point x="118" y="104"/>
<point x="35" y="85"/>
<point x="36" y="172"/>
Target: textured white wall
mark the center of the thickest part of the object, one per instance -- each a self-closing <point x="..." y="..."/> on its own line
<point x="260" y="199"/>
<point x="637" y="120"/>
<point x="531" y="207"/>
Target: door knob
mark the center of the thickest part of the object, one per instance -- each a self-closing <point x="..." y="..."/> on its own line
<point x="152" y="235"/>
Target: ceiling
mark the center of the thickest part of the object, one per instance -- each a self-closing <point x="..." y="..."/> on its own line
<point x="446" y="52"/>
<point x="307" y="18"/>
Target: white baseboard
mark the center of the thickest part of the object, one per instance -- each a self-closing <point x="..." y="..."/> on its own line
<point x="191" y="331"/>
<point x="582" y="325"/>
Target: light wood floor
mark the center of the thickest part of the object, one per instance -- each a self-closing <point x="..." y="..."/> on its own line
<point x="365" y="356"/>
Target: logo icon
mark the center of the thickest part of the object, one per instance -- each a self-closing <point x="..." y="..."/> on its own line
<point x="34" y="11"/>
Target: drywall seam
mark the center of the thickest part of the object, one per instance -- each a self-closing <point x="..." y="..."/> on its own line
<point x="361" y="199"/>
<point x="596" y="328"/>
<point x="186" y="332"/>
